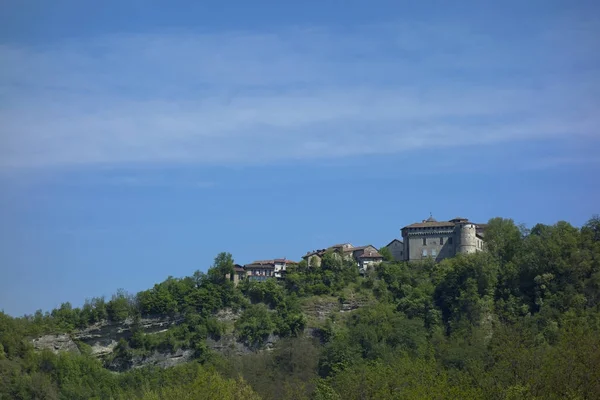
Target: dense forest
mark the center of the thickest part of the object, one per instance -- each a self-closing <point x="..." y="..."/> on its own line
<point x="520" y="320"/>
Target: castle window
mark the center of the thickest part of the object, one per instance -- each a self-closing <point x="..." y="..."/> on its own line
<point x="449" y="240"/>
<point x="441" y="241"/>
<point x="424" y="242"/>
<point x="433" y="253"/>
<point x="424" y="252"/>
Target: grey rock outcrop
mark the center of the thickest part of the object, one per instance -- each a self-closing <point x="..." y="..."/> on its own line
<point x="56" y="343"/>
<point x="158" y="359"/>
<point x="101" y="337"/>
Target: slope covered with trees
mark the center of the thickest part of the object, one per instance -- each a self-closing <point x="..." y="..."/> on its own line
<point x="518" y="321"/>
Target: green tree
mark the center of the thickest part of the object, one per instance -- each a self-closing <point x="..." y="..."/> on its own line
<point x="222" y="266"/>
<point x="255" y="324"/>
<point x="119" y="307"/>
<point x="503" y="239"/>
<point x="387" y="254"/>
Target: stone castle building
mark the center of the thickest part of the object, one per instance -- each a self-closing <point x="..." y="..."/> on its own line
<point x="439" y="239"/>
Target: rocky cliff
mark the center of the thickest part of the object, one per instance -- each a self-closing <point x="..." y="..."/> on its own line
<point x="103" y="337"/>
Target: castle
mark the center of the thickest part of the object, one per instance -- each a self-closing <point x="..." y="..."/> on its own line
<point x="438" y="239"/>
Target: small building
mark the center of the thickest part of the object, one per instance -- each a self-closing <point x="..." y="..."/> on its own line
<point x="368" y="259"/>
<point x="239" y="274"/>
<point x="259" y="271"/>
<point x="275" y="268"/>
<point x="313" y="258"/>
<point x="396" y="248"/>
<point x="437" y="240"/>
<point x="281" y="265"/>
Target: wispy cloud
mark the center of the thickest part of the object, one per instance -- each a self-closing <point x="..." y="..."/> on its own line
<point x="297" y="94"/>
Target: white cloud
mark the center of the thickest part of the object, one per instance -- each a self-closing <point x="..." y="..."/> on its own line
<point x="258" y="98"/>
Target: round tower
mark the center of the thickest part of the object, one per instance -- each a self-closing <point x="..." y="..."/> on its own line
<point x="468" y="238"/>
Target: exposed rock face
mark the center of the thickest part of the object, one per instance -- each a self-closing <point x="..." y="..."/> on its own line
<point x="322" y="308"/>
<point x="102" y="337"/>
<point x="56" y="343"/>
<point x="227" y="345"/>
<point x="227" y="315"/>
<point x="351" y="306"/>
<point x="158" y="359"/>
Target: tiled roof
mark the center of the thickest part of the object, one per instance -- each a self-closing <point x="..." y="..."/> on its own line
<point x="254" y="266"/>
<point x="315" y="252"/>
<point x="370" y="254"/>
<point x="395" y="240"/>
<point x="284" y="260"/>
<point x="341" y="245"/>
<point x="273" y="261"/>
<point x="262" y="262"/>
<point x="430" y="224"/>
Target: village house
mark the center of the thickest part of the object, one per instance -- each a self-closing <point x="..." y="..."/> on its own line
<point x="260" y="271"/>
<point x="396" y="248"/>
<point x="264" y="269"/>
<point x="239" y="274"/>
<point x="366" y="257"/>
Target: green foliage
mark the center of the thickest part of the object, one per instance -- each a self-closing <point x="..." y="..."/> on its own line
<point x="400" y="378"/>
<point x="387" y="254"/>
<point x="120" y="306"/>
<point x="332" y="277"/>
<point x="255" y="324"/>
<point x="372" y="333"/>
<point x="222" y="266"/>
<point x="206" y="385"/>
<point x="465" y="286"/>
<point x="286" y="372"/>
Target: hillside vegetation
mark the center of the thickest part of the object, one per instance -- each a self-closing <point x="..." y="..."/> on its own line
<point x="518" y="321"/>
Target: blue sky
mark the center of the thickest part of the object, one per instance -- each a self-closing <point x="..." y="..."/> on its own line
<point x="140" y="138"/>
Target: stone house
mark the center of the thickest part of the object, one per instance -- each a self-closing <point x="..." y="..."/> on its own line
<point x="239" y="274"/>
<point x="260" y="271"/>
<point x="263" y="269"/>
<point x="396" y="248"/>
<point x="368" y="258"/>
<point x="281" y="265"/>
<point x="313" y="258"/>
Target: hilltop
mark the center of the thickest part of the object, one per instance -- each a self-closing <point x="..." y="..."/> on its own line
<point x="517" y="320"/>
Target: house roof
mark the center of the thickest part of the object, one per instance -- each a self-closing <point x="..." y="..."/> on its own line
<point x="273" y="261"/>
<point x="263" y="266"/>
<point x="238" y="268"/>
<point x="341" y="245"/>
<point x="360" y="248"/>
<point x="314" y="252"/>
<point x="432" y="223"/>
<point x="262" y="262"/>
<point x="371" y="254"/>
<point x="395" y="240"/>
<point x="426" y="224"/>
<point x="285" y="260"/>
